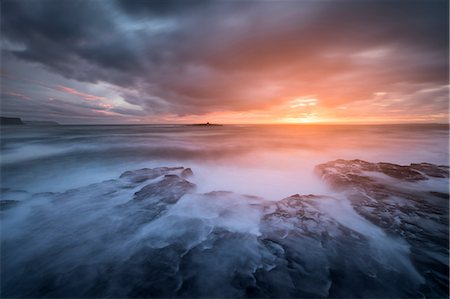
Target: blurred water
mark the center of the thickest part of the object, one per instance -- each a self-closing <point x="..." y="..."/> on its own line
<point x="270" y="161"/>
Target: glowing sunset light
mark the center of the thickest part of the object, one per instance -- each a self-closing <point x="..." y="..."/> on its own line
<point x="302" y="102"/>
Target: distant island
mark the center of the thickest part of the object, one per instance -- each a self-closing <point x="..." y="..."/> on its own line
<point x="17" y="121"/>
<point x="205" y="125"/>
<point x="11" y="121"/>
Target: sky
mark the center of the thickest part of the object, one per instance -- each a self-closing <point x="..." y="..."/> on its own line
<point x="288" y="61"/>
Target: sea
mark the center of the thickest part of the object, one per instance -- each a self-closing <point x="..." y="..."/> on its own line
<point x="272" y="161"/>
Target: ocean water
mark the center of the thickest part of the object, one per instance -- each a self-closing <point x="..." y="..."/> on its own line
<point x="77" y="235"/>
<point x="269" y="161"/>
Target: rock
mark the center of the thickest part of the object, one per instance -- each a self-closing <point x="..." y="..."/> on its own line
<point x="206" y="125"/>
<point x="142" y="175"/>
<point x="432" y="170"/>
<point x="392" y="197"/>
<point x="168" y="190"/>
<point x="342" y="172"/>
<point x="165" y="188"/>
<point x="440" y="194"/>
<point x="324" y="245"/>
<point x="405" y="173"/>
<point x="187" y="173"/>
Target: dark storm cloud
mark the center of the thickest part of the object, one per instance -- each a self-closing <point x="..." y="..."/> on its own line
<point x="189" y="57"/>
<point x="159" y="7"/>
<point x="74" y="38"/>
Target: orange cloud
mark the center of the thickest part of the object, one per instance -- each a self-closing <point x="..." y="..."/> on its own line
<point x="80" y="94"/>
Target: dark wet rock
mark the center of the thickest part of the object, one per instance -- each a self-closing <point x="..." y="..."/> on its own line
<point x="187" y="173"/>
<point x="347" y="170"/>
<point x="6" y="204"/>
<point x="163" y="188"/>
<point x="431" y="170"/>
<point x="399" y="172"/>
<point x="440" y="194"/>
<point x="142" y="175"/>
<point x="403" y="208"/>
<point x="340" y="173"/>
<point x="167" y="190"/>
<point x="320" y="256"/>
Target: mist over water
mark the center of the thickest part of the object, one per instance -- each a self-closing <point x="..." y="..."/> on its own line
<point x="270" y="161"/>
<point x="81" y="231"/>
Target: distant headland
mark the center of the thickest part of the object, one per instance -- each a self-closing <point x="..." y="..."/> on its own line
<point x="17" y="121"/>
<point x="11" y="121"/>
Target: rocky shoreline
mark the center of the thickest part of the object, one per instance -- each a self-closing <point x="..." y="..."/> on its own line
<point x="384" y="234"/>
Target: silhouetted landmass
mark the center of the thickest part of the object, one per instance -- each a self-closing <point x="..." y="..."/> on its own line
<point x="11" y="121"/>
<point x="18" y="121"/>
<point x="205" y="125"/>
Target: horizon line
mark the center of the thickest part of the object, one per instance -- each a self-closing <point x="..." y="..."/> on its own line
<point x="252" y="124"/>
